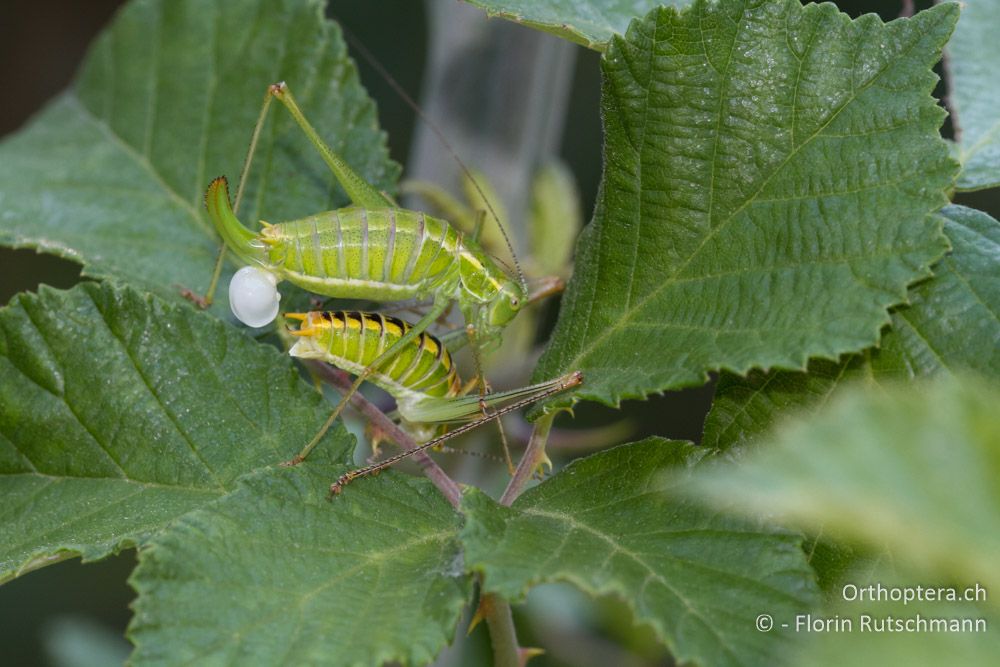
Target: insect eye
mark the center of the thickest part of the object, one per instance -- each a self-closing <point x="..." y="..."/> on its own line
<point x="253" y="296"/>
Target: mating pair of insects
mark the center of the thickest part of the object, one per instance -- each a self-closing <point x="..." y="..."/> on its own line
<point x="377" y="251"/>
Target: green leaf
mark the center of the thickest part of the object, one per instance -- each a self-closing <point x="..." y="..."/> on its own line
<point x="112" y="173"/>
<point x="277" y="574"/>
<point x="611" y="523"/>
<point x="912" y="467"/>
<point x="952" y="322"/>
<point x="591" y="23"/>
<point x="973" y="60"/>
<point x="769" y="171"/>
<point x="119" y="413"/>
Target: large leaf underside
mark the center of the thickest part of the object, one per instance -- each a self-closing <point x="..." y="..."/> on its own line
<point x="119" y="413"/>
<point x="112" y="173"/>
<point x="611" y="523"/>
<point x="769" y="174"/>
<point x="952" y="322"/>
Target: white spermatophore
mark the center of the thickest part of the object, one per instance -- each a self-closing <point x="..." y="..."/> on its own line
<point x="253" y="296"/>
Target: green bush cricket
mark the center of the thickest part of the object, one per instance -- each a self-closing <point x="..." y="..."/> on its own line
<point x="372" y="250"/>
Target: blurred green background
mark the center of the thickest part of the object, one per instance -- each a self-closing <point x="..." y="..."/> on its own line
<point x="70" y="614"/>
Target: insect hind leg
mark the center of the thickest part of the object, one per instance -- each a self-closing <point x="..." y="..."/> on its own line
<point x="357" y="188"/>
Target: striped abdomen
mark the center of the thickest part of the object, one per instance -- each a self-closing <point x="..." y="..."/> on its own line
<point x="378" y="254"/>
<point x="353" y="340"/>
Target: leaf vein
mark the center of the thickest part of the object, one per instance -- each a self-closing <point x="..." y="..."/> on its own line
<point x="601" y="337"/>
<point x="573" y="523"/>
<point x="144" y="164"/>
<point x="159" y="401"/>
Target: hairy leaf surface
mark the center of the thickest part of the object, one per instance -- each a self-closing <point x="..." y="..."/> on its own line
<point x="112" y="173"/>
<point x="769" y="171"/>
<point x="591" y="23"/>
<point x="275" y="573"/>
<point x="914" y="467"/>
<point x="974" y="59"/>
<point x="952" y="322"/>
<point x="610" y="523"/>
<point x="119" y="413"/>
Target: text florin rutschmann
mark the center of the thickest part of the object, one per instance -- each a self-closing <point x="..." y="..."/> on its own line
<point x="887" y="623"/>
<point x="896" y="622"/>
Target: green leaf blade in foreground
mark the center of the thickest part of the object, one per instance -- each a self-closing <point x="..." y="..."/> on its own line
<point x="112" y="174"/>
<point x="912" y="467"/>
<point x="591" y="23"/>
<point x="974" y="57"/>
<point x="761" y="204"/>
<point x="119" y="413"/>
<point x="611" y="523"/>
<point x="951" y="323"/>
<point x="275" y="573"/>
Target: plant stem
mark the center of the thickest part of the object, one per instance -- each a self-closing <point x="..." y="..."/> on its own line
<point x="474" y="87"/>
<point x="342" y="381"/>
<point x="533" y="455"/>
<point x="503" y="637"/>
<point x="496" y="610"/>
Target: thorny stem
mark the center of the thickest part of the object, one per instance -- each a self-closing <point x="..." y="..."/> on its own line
<point x="533" y="456"/>
<point x="506" y="650"/>
<point x="342" y="381"/>
<point x="543" y="72"/>
<point x="503" y="636"/>
<point x="496" y="611"/>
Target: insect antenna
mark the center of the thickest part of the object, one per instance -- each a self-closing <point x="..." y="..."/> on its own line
<point x="399" y="90"/>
